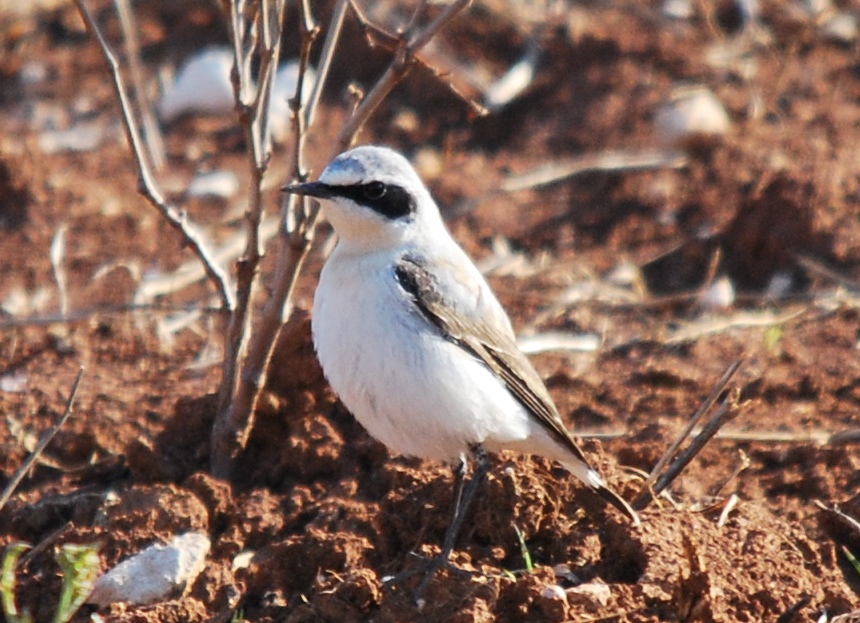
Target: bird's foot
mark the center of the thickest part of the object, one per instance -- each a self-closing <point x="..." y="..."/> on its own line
<point x="427" y="567"/>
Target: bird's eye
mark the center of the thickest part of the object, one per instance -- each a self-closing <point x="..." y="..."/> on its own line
<point x="374" y="191"/>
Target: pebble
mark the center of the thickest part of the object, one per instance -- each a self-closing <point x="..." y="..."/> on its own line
<point x="202" y="85"/>
<point x="154" y="575"/>
<point x="221" y="184"/>
<point x="691" y="113"/>
<point x="592" y="595"/>
<point x="720" y="294"/>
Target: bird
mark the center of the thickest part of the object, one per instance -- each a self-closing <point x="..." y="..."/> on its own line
<point x="413" y="340"/>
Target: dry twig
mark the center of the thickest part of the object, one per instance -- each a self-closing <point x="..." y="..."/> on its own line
<point x="43" y="443"/>
<point x="147" y="186"/>
<point x="240" y="393"/>
<point x="411" y="40"/>
<point x="151" y="130"/>
<point x="254" y="29"/>
<point x="726" y="411"/>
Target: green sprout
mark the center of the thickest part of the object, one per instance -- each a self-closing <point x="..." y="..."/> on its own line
<point x="852" y="559"/>
<point x="80" y="568"/>
<point x="524" y="550"/>
<point x="773" y="340"/>
<point x="7" y="583"/>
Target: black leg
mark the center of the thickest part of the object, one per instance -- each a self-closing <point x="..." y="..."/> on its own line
<point x="466" y="489"/>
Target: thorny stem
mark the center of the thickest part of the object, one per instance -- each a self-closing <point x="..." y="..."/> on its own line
<point x="192" y="236"/>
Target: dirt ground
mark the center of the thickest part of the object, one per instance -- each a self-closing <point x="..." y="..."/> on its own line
<point x="625" y="257"/>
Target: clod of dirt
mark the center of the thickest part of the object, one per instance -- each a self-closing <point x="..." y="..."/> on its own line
<point x="15" y="194"/>
<point x="698" y="571"/>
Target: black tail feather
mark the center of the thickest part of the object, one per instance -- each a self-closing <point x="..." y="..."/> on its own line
<point x="618" y="502"/>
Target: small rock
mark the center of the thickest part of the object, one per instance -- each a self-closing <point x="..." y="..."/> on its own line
<point x="564" y="572"/>
<point x="691" y="114"/>
<point x="553" y="603"/>
<point x="202" y="85"/>
<point x="592" y="595"/>
<point x="841" y="28"/>
<point x="779" y="286"/>
<point x="155" y="574"/>
<point x="218" y="184"/>
<point x="286" y="81"/>
<point x="678" y="9"/>
<point x="515" y="81"/>
<point x="14" y="382"/>
<point x="83" y="136"/>
<point x="720" y="294"/>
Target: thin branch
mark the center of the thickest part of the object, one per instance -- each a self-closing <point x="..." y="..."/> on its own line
<point x="410" y="44"/>
<point x="151" y="130"/>
<point x="235" y="417"/>
<point x="334" y="30"/>
<point x="254" y="118"/>
<point x="43" y="443"/>
<point x="191" y="235"/>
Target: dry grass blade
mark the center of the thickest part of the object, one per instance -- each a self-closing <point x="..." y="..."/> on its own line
<point x="43" y="443"/>
<point x="147" y="186"/>
<point x="697" y="329"/>
<point x="557" y="172"/>
<point x="627" y="160"/>
<point x="727" y="409"/>
<point x="842" y="518"/>
<point x="697" y="415"/>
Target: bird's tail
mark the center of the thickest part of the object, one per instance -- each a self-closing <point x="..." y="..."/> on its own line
<point x="596" y="482"/>
<point x="618" y="502"/>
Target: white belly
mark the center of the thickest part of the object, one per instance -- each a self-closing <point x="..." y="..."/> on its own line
<point x="414" y="391"/>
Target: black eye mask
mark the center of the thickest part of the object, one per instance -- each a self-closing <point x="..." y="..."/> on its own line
<point x="389" y="200"/>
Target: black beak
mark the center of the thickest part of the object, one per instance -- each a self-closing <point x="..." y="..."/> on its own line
<point x="310" y="189"/>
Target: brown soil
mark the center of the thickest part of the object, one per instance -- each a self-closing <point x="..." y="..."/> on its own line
<point x="326" y="510"/>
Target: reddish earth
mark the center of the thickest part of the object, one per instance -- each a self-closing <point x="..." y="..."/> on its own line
<point x="327" y="511"/>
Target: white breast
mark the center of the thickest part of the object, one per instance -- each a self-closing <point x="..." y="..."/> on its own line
<point x="416" y="392"/>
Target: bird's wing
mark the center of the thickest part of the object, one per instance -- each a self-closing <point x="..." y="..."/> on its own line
<point x="460" y="304"/>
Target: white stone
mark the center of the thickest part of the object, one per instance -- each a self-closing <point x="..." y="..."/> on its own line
<point x="691" y="112"/>
<point x="202" y="85"/>
<point x="592" y="595"/>
<point x="156" y="574"/>
<point x="286" y="80"/>
<point x="841" y="28"/>
<point x="678" y="9"/>
<point x="554" y="591"/>
<point x="719" y="295"/>
<point x="221" y="184"/>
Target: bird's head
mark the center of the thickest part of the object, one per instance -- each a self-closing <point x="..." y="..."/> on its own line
<point x="373" y="198"/>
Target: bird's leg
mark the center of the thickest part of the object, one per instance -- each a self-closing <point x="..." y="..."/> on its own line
<point x="466" y="489"/>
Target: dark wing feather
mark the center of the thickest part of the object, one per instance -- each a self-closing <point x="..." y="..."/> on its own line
<point x="494" y="345"/>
